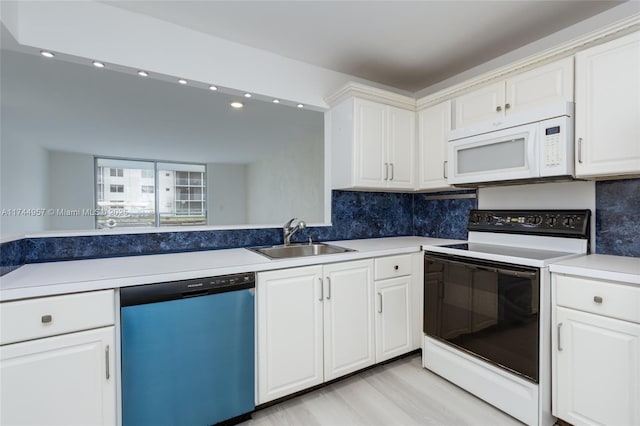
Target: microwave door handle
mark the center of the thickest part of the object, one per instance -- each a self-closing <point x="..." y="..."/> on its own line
<point x="534" y="151"/>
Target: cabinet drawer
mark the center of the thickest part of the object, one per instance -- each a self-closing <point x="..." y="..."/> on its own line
<point x="392" y="266"/>
<point x="48" y="316"/>
<point x="599" y="297"/>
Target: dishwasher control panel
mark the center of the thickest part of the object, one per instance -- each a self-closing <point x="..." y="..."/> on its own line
<point x="160" y="292"/>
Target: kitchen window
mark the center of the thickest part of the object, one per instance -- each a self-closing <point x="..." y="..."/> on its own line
<point x="139" y="182"/>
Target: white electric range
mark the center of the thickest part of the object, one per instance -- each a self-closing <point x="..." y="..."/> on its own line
<point x="487" y="308"/>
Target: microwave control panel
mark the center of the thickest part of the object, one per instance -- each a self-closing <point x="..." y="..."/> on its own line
<point x="552" y="146"/>
<point x="556" y="146"/>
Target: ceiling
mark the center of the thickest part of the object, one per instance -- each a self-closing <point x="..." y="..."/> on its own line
<point x="408" y="45"/>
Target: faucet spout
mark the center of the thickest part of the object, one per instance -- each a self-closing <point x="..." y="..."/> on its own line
<point x="288" y="231"/>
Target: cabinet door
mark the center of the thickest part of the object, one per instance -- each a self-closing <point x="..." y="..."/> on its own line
<point x="370" y="148"/>
<point x="289" y="312"/>
<point x="608" y="108"/>
<point x="61" y="380"/>
<point x="394" y="331"/>
<point x="348" y="318"/>
<point x="401" y="148"/>
<point x="482" y="105"/>
<point x="545" y="85"/>
<point x="597" y="369"/>
<point x="434" y="124"/>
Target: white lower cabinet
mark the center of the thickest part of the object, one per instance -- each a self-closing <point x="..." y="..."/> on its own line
<point x="348" y="318"/>
<point x="395" y="316"/>
<point x="314" y="324"/>
<point x="62" y="380"/>
<point x="596" y="352"/>
<point x="393" y="319"/>
<point x="65" y="379"/>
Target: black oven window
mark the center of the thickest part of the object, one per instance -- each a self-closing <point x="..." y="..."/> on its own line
<point x="488" y="310"/>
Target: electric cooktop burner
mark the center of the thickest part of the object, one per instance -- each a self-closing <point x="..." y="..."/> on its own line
<point x="506" y="250"/>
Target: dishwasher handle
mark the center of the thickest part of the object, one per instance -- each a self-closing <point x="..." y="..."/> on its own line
<point x="162" y="292"/>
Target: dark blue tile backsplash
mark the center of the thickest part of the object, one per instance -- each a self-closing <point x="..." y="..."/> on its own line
<point x="12" y="256"/>
<point x="617" y="223"/>
<point x="354" y="215"/>
<point x="442" y="217"/>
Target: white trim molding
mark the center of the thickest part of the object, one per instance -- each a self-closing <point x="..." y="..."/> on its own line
<point x="362" y="91"/>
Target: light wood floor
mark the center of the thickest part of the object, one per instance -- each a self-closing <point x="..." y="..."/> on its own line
<point x="400" y="393"/>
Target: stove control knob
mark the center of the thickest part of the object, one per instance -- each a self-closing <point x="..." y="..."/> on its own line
<point x="476" y="218"/>
<point x="568" y="222"/>
<point x="487" y="218"/>
<point x="534" y="220"/>
<point x="552" y="221"/>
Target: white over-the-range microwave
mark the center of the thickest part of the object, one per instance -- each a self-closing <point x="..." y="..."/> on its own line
<point x="527" y="147"/>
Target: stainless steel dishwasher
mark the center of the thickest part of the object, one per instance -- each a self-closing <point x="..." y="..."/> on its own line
<point x="188" y="351"/>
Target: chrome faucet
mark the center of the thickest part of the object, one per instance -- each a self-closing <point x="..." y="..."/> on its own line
<point x="288" y="230"/>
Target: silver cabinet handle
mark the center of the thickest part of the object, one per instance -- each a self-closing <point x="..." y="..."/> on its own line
<point x="321" y="289"/>
<point x="597" y="299"/>
<point x="386" y="171"/>
<point x="499" y="108"/>
<point x="106" y="359"/>
<point x="328" y="288"/>
<point x="559" y="339"/>
<point x="380" y="300"/>
<point x="507" y="106"/>
<point x="391" y="164"/>
<point x="580" y="150"/>
<point x="444" y="169"/>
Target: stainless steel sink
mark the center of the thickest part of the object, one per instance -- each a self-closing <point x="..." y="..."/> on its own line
<point x="298" y="250"/>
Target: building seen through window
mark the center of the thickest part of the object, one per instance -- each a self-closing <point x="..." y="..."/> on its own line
<point x="134" y="198"/>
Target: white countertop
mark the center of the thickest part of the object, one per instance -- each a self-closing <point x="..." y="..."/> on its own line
<point x="601" y="266"/>
<point x="45" y="279"/>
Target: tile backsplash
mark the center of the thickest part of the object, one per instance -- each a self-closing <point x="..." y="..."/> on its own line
<point x="617" y="222"/>
<point x="354" y="215"/>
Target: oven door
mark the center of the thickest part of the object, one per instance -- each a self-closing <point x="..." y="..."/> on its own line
<point x="488" y="309"/>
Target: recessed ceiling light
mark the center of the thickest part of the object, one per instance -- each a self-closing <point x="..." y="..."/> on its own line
<point x="98" y="64"/>
<point x="247" y="95"/>
<point x="300" y="106"/>
<point x="143" y="74"/>
<point x="47" y="54"/>
<point x="182" y="81"/>
<point x="276" y="101"/>
<point x="237" y="105"/>
<point x="214" y="88"/>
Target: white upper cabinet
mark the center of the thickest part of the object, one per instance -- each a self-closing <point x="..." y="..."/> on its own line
<point x="548" y="84"/>
<point x="373" y="145"/>
<point x="608" y="108"/>
<point x="434" y="124"/>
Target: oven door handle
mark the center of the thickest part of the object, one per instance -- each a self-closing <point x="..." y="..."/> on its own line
<point x="483" y="268"/>
<point x="515" y="273"/>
